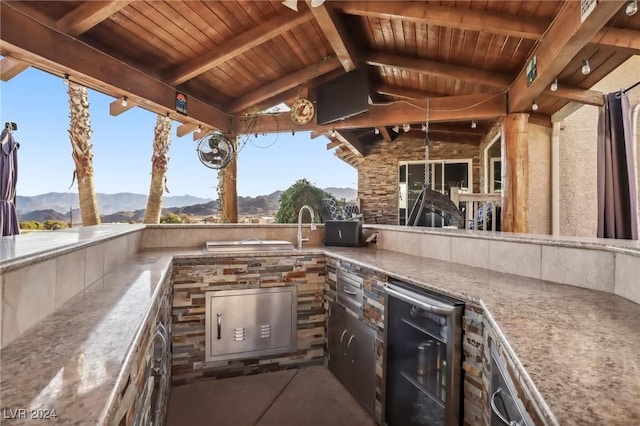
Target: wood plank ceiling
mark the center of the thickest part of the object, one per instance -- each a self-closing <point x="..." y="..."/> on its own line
<point x="235" y="59"/>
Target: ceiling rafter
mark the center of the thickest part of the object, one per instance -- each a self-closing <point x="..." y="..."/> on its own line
<point x="333" y="29"/>
<point x="276" y="87"/>
<point x="92" y="68"/>
<point x="74" y="23"/>
<point x="240" y="44"/>
<point x="620" y="38"/>
<point x="440" y="69"/>
<point x="88" y="15"/>
<point x="404" y="92"/>
<point x="449" y="108"/>
<point x="583" y="96"/>
<point x="564" y="39"/>
<point x="465" y="19"/>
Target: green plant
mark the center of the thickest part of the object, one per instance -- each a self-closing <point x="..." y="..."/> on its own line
<point x="52" y="225"/>
<point x="297" y="195"/>
<point x="31" y="224"/>
<point x="170" y="218"/>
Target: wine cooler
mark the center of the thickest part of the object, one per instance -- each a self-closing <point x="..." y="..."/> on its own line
<point x="422" y="358"/>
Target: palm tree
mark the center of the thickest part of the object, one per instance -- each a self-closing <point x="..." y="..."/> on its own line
<point x="159" y="165"/>
<point x="80" y="135"/>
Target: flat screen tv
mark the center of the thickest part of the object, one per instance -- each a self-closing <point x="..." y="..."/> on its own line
<point x="343" y="97"/>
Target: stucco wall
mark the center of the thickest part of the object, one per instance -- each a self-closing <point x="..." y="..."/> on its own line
<point x="578" y="155"/>
<point x="378" y="176"/>
<point x="539" y="179"/>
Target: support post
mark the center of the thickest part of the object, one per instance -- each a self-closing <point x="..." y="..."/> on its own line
<point x="229" y="188"/>
<point x="515" y="148"/>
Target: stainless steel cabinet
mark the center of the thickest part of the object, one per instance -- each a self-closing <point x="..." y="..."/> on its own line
<point x="251" y="322"/>
<point x="352" y="355"/>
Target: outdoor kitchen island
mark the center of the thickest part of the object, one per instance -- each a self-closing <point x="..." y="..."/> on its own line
<point x="578" y="347"/>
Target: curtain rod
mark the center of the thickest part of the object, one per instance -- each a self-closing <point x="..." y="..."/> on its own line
<point x="631" y="87"/>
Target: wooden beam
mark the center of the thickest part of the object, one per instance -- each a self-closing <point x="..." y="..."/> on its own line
<point x="315" y="135"/>
<point x="454" y="17"/>
<point x="575" y="94"/>
<point x="447" y="108"/>
<point x="88" y="15"/>
<point x="199" y="135"/>
<point x="76" y="22"/>
<point x="275" y="87"/>
<point x="10" y="67"/>
<point x="620" y="38"/>
<point x="229" y="197"/>
<point x="384" y="132"/>
<point x="540" y="119"/>
<point x="186" y="128"/>
<point x="92" y="68"/>
<point x="565" y="38"/>
<point x="440" y="69"/>
<point x="405" y="92"/>
<point x="116" y="108"/>
<point x="417" y="134"/>
<point x="334" y="144"/>
<point x="240" y="44"/>
<point x="515" y="189"/>
<point x="337" y="36"/>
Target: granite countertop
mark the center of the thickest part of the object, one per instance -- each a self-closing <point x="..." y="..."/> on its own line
<point x="580" y="348"/>
<point x="22" y="249"/>
<point x="71" y="362"/>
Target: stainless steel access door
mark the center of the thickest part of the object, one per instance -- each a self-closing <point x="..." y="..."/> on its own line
<point x="249" y="323"/>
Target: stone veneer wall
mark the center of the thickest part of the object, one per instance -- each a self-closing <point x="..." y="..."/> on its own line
<point x="193" y="277"/>
<point x="372" y="315"/>
<point x="378" y="176"/>
<point x="126" y="401"/>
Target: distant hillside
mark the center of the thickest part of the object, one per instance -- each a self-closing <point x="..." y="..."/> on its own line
<point x="44" y="215"/>
<point x="55" y="206"/>
<point x="109" y="203"/>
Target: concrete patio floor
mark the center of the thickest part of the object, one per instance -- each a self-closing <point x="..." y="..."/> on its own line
<point x="310" y="397"/>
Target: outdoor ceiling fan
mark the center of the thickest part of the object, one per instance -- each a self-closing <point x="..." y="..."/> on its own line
<point x="215" y="151"/>
<point x="293" y="4"/>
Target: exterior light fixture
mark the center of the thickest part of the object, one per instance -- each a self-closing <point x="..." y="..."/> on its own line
<point x="534" y="106"/>
<point x="424" y="127"/>
<point x="333" y="133"/>
<point x="65" y="79"/>
<point x="632" y="8"/>
<point x="554" y="85"/>
<point x="124" y="101"/>
<point x="376" y="130"/>
<point x="474" y="124"/>
<point x="291" y="4"/>
<point x="406" y="127"/>
<point x="199" y="129"/>
<point x="586" y="69"/>
<point x="396" y="128"/>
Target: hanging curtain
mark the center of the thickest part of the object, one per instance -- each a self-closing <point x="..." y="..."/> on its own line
<point x="617" y="194"/>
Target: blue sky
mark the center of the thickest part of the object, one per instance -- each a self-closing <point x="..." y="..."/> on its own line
<point x="38" y="103"/>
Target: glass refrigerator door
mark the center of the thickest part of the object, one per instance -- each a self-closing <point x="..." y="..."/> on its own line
<point x="416" y="366"/>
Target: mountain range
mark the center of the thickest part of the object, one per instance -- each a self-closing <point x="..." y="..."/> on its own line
<point x="128" y="207"/>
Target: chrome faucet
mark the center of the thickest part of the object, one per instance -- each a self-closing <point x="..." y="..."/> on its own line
<point x="313" y="225"/>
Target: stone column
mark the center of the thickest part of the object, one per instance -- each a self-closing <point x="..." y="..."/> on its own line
<point x="515" y="188"/>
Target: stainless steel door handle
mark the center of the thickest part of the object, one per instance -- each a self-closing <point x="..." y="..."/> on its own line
<point x="353" y="336"/>
<point x="342" y="335"/>
<point x="351" y="292"/>
<point x="219" y="325"/>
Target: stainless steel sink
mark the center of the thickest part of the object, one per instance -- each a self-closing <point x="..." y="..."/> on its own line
<point x="248" y="245"/>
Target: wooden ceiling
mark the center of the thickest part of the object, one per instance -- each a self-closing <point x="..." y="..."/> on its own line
<point x="235" y="59"/>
